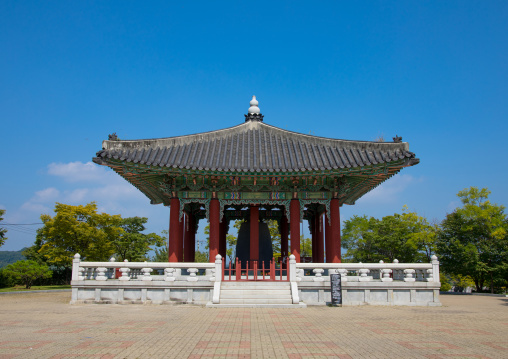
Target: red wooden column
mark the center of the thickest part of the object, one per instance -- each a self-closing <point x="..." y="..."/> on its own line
<point x="214" y="229"/>
<point x="284" y="236"/>
<point x="320" y="245"/>
<point x="312" y="225"/>
<point x="174" y="229"/>
<point x="335" y="229"/>
<point x="189" y="239"/>
<point x="222" y="237"/>
<point x="294" y="210"/>
<point x="254" y="233"/>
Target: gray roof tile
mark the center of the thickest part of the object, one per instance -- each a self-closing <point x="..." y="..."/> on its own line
<point x="254" y="146"/>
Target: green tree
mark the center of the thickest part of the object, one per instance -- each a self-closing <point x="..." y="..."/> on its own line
<point x="27" y="272"/>
<point x="78" y="229"/>
<point x="445" y="283"/>
<point x="305" y="247"/>
<point x="133" y="245"/>
<point x="473" y="239"/>
<point x="406" y="237"/>
<point x="3" y="231"/>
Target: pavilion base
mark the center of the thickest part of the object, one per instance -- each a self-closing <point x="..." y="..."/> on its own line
<point x="387" y="284"/>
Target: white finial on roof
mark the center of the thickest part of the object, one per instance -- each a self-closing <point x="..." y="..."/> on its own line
<point x="254" y="106"/>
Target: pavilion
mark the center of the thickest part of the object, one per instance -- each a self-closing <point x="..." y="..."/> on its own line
<point x="255" y="171"/>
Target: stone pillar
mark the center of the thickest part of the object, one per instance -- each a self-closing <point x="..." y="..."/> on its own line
<point x="174" y="230"/>
<point x="284" y="236"/>
<point x="189" y="239"/>
<point x="214" y="229"/>
<point x="254" y="233"/>
<point x="335" y="241"/>
<point x="222" y="237"/>
<point x="320" y="245"/>
<point x="294" y="210"/>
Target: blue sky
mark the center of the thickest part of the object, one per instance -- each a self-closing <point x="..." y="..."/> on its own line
<point x="433" y="72"/>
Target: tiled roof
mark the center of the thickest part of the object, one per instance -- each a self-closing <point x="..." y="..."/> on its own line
<point x="254" y="147"/>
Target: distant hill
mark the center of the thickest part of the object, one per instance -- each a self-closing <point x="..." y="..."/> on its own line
<point x="8" y="257"/>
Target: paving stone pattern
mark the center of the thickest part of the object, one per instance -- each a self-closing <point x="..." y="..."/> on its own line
<point x="44" y="325"/>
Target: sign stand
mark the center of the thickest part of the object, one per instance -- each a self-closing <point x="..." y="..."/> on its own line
<point x="336" y="290"/>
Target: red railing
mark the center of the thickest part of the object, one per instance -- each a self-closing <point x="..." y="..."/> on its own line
<point x="252" y="271"/>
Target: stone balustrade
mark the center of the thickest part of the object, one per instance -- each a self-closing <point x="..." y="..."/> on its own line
<point x="200" y="283"/>
<point x="366" y="272"/>
<point x="371" y="283"/>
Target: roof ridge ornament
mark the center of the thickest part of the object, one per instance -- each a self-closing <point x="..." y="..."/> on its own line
<point x="397" y="139"/>
<point x="254" y="113"/>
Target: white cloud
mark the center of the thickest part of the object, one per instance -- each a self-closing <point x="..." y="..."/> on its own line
<point x="79" y="171"/>
<point x="389" y="191"/>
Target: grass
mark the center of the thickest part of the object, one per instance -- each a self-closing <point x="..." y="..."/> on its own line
<point x="21" y="288"/>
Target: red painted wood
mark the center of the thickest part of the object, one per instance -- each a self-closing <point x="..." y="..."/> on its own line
<point x="254" y="233"/>
<point x="295" y="228"/>
<point x="335" y="226"/>
<point x="238" y="269"/>
<point x="214" y="229"/>
<point x="174" y="213"/>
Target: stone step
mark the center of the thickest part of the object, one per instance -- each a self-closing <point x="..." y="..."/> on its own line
<point x="244" y="305"/>
<point x="255" y="292"/>
<point x="227" y="295"/>
<point x="255" y="301"/>
<point x="255" y="287"/>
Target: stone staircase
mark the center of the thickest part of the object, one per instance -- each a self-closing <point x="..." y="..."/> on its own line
<point x="256" y="294"/>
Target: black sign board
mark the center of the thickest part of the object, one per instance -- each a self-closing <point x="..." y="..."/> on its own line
<point x="336" y="289"/>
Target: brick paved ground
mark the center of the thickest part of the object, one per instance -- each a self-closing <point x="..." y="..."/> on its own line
<point x="46" y="326"/>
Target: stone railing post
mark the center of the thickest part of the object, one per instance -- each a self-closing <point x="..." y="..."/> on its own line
<point x="169" y="274"/>
<point x="363" y="275"/>
<point x="218" y="268"/>
<point x="386" y="275"/>
<point x="101" y="273"/>
<point x="75" y="266"/>
<point x="343" y="274"/>
<point x="147" y="273"/>
<point x="409" y="275"/>
<point x="217" y="280"/>
<point x="192" y="275"/>
<point x="435" y="269"/>
<point x="292" y="268"/>
<point x="318" y="274"/>
<point x="125" y="272"/>
<point x="293" y="278"/>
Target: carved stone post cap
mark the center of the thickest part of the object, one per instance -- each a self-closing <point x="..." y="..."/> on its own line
<point x="395" y="261"/>
<point x="433" y="258"/>
<point x="218" y="257"/>
<point x="77" y="256"/>
<point x="125" y="260"/>
<point x="112" y="259"/>
<point x="292" y="257"/>
<point x="381" y="261"/>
